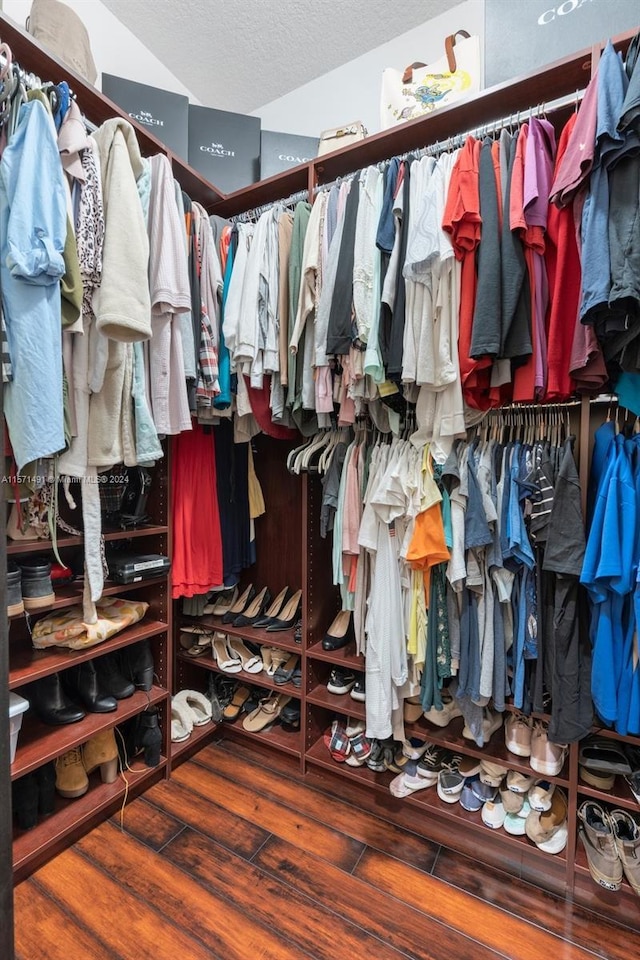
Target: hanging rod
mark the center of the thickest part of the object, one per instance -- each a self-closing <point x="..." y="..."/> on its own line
<point x="256" y="212"/>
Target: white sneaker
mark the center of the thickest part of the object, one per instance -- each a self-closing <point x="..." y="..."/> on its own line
<point x="493" y="814"/>
<point x="546" y="758"/>
<point x="517" y="734"/>
<point x="540" y="795"/>
<point x="490" y="723"/>
<point x="442" y="718"/>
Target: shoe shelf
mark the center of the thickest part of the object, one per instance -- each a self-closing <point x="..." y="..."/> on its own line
<point x="45" y="546"/>
<point x="27" y="664"/>
<point x="39" y="742"/>
<point x="195" y="741"/>
<point x="495" y="750"/>
<point x="427" y="800"/>
<point x="71" y="818"/>
<point x="581" y="865"/>
<point x="340" y="703"/>
<point x="247" y="679"/>
<point x="283" y="740"/>
<point x="281" y="638"/>
<point x="343" y="657"/>
<point x="71" y="594"/>
<point x="619" y="796"/>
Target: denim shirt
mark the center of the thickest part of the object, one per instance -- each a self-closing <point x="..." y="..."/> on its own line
<point x="33" y="227"/>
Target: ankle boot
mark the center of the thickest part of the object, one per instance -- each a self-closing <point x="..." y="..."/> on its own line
<point x="148" y="737"/>
<point x="46" y="779"/>
<point x="71" y="777"/>
<point x="24" y="793"/>
<point x="82" y="684"/>
<point x="137" y="665"/>
<point x="111" y="679"/>
<point x="101" y="751"/>
<point x="48" y="699"/>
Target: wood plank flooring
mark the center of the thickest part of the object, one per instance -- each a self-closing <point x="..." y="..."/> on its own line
<point x="236" y="859"/>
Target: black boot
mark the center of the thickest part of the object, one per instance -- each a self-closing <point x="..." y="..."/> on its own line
<point x="48" y="699"/>
<point x="24" y="795"/>
<point x="46" y="779"/>
<point x="111" y="679"/>
<point x="82" y="684"/>
<point x="137" y="665"/>
<point x="149" y="737"/>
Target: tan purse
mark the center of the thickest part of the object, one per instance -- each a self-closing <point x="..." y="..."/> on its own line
<point x="339" y="137"/>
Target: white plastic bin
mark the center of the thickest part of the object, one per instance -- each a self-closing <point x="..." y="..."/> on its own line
<point x="17" y="706"/>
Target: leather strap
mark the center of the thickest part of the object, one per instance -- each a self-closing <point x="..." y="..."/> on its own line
<point x="407" y="76"/>
<point x="449" y="44"/>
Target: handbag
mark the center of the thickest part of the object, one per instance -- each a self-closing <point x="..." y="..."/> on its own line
<point x="338" y="137"/>
<point x="62" y="32"/>
<point x="423" y="88"/>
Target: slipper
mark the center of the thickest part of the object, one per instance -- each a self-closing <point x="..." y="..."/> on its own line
<point x="227" y="662"/>
<point x="360" y="745"/>
<point x="602" y="754"/>
<point x="240" y="697"/>
<point x="284" y="672"/>
<point x="249" y="661"/>
<point x="197" y="703"/>
<point x="337" y="741"/>
<point x="181" y="721"/>
<point x="266" y="714"/>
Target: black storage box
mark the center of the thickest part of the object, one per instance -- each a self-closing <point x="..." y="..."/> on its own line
<point x="281" y="151"/>
<point x="165" y="114"/>
<point x="133" y="567"/>
<point x="224" y="147"/>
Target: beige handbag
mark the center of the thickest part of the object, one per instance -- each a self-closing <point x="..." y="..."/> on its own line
<point x="62" y="32"/>
<point x="339" y="137"/>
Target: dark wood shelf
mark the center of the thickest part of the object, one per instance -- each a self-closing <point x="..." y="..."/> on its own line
<point x="276" y="737"/>
<point x="344" y="657"/>
<point x="98" y="108"/>
<point x="428" y="799"/>
<point x="71" y="594"/>
<point x="16" y="547"/>
<point x="281" y="638"/>
<point x="495" y="750"/>
<point x="619" y="796"/>
<point x="199" y="737"/>
<point x="339" y="703"/>
<point x="248" y="679"/>
<point x="38" y="742"/>
<point x="74" y="817"/>
<point x="27" y="664"/>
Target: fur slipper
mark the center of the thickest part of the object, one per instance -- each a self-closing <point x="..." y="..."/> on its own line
<point x="181" y="720"/>
<point x="197" y="703"/>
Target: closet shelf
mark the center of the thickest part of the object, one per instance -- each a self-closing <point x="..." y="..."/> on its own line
<point x="27" y="664"/>
<point x="428" y="800"/>
<point x="278" y="187"/>
<point x="283" y="638"/>
<point x="619" y="796"/>
<point x="276" y="737"/>
<point x="200" y="736"/>
<point x="45" y="546"/>
<point x="344" y="657"/>
<point x="38" y="743"/>
<point x="495" y="750"/>
<point x="33" y="847"/>
<point x="71" y="594"/>
<point x="248" y="679"/>
<point x="337" y="703"/>
<point x="581" y="866"/>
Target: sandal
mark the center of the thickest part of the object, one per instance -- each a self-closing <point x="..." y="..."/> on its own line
<point x="198" y="704"/>
<point x="278" y="659"/>
<point x="249" y="661"/>
<point x="232" y="710"/>
<point x="227" y="662"/>
<point x="284" y="673"/>
<point x="360" y="745"/>
<point x="337" y="741"/>
<point x="268" y="711"/>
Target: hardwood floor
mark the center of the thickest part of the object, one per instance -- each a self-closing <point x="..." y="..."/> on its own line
<point x="235" y="859"/>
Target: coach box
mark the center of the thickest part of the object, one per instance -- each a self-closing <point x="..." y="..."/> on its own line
<point x="166" y="115"/>
<point x="281" y="151"/>
<point x="520" y="37"/>
<point x="224" y="147"/>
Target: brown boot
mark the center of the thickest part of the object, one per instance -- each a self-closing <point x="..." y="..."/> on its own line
<point x="71" y="777"/>
<point x="102" y="751"/>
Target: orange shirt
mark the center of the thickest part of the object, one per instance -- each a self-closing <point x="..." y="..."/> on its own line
<point x="428" y="547"/>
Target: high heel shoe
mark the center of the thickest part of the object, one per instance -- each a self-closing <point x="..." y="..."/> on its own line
<point x="288" y="616"/>
<point x="240" y="605"/>
<point x="255" y="610"/>
<point x="340" y="633"/>
<point x="273" y="610"/>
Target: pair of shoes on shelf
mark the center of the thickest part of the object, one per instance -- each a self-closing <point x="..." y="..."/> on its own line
<point x="289" y="671"/>
<point x="220" y="602"/>
<point x="340" y="633"/>
<point x="72" y="769"/>
<point x="33" y="796"/>
<point x="233" y="655"/>
<point x="141" y="735"/>
<point x="266" y="713"/>
<point x="347" y="742"/>
<point x="342" y="680"/>
<point x="491" y="722"/>
<point x="189" y="709"/>
<point x="195" y="641"/>
<point x="256" y="610"/>
<point x="29" y="585"/>
<point x="525" y="737"/>
<point x="611" y="839"/>
<point x="548" y="828"/>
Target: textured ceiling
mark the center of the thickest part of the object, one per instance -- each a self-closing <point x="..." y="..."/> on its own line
<point x="241" y="54"/>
